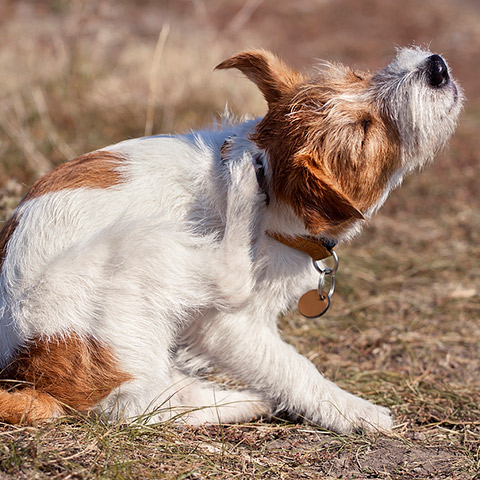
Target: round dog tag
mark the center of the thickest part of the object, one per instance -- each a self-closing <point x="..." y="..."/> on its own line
<point x="311" y="305"/>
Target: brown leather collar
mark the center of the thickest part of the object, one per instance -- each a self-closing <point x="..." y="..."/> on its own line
<point x="312" y="246"/>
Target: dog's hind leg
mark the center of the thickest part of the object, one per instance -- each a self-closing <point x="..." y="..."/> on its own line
<point x="245" y="200"/>
<point x="195" y="402"/>
<point x="185" y="399"/>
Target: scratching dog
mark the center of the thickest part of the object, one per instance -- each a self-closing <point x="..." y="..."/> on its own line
<point x="131" y="272"/>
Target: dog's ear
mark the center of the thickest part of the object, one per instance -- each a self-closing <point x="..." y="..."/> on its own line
<point x="272" y="76"/>
<point x="314" y="198"/>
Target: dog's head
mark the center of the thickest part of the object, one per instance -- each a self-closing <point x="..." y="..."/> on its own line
<point x="339" y="141"/>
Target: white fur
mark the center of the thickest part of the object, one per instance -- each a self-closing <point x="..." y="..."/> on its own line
<point x="172" y="269"/>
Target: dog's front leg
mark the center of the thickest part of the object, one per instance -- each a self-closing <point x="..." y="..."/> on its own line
<point x="254" y="352"/>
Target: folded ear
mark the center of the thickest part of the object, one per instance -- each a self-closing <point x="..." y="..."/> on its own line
<point x="272" y="76"/>
<point x="314" y="198"/>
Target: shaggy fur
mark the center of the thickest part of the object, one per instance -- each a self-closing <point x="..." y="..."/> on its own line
<point x="131" y="272"/>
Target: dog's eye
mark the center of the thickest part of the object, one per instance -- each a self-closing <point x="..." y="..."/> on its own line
<point x="366" y="125"/>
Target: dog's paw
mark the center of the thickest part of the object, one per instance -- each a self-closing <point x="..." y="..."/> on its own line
<point x="244" y="179"/>
<point x="373" y="418"/>
<point x="361" y="415"/>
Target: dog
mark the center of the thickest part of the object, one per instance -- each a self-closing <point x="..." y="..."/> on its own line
<point x="133" y="271"/>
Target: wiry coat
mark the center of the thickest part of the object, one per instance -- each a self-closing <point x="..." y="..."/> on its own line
<point x="131" y="271"/>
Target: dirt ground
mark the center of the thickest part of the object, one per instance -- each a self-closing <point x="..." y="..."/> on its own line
<point x="404" y="326"/>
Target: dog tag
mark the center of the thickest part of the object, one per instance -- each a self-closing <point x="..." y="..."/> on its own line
<point x="311" y="305"/>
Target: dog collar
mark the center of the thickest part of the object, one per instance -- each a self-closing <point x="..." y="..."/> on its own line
<point x="317" y="249"/>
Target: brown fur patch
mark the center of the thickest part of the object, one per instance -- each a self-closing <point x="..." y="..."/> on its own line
<point x="75" y="372"/>
<point x="316" y="199"/>
<point x="27" y="406"/>
<point x="92" y="170"/>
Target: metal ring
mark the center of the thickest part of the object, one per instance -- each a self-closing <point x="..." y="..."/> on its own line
<point x="321" y="282"/>
<point x="335" y="262"/>
<point x="327" y="270"/>
<point x="317" y="267"/>
<point x="332" y="287"/>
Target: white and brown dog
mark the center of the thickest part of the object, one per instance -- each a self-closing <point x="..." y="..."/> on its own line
<point x="131" y="271"/>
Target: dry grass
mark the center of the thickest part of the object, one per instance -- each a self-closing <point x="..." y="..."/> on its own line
<point x="404" y="328"/>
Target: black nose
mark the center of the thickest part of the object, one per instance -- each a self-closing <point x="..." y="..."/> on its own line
<point x="437" y="71"/>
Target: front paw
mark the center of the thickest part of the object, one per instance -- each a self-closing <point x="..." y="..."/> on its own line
<point x="361" y="415"/>
<point x="373" y="418"/>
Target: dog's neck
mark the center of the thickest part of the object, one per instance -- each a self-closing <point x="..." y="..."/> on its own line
<point x="315" y="247"/>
